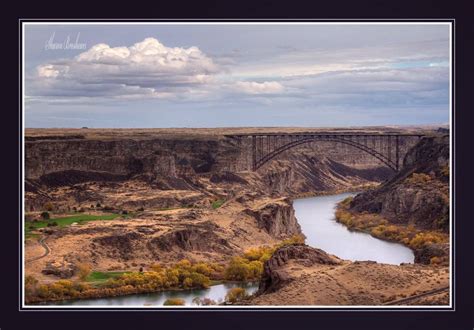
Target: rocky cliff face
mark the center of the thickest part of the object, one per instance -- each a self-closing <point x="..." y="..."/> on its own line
<point x="274" y="277"/>
<point x="321" y="166"/>
<point x="305" y="173"/>
<point x="163" y="157"/>
<point x="419" y="194"/>
<point x="277" y="218"/>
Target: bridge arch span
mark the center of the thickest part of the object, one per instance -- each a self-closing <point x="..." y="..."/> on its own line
<point x="265" y="159"/>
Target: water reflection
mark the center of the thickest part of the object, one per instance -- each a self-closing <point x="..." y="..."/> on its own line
<point x="215" y="292"/>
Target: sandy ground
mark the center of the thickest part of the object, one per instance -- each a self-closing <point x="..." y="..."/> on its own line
<point x="226" y="231"/>
<point x="359" y="283"/>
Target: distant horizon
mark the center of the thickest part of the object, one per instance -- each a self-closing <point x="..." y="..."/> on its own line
<point x="230" y="127"/>
<point x="231" y="75"/>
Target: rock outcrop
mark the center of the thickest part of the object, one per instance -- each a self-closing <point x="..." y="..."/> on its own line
<point x="61" y="269"/>
<point x="424" y="254"/>
<point x="194" y="238"/>
<point x="277" y="218"/>
<point x="419" y="194"/>
<point x="274" y="277"/>
<point x="305" y="173"/>
<point x="120" y="246"/>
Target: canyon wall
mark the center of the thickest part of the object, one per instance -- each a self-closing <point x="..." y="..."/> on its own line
<point x="324" y="166"/>
<point x="419" y="193"/>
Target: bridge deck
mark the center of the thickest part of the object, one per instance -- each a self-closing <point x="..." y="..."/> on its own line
<point x="323" y="134"/>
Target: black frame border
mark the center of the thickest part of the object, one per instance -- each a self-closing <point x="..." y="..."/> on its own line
<point x="38" y="308"/>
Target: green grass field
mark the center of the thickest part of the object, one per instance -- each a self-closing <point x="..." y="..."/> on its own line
<point x="98" y="277"/>
<point x="218" y="203"/>
<point x="66" y="221"/>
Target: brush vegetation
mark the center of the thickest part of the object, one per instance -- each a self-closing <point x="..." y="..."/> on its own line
<point x="181" y="275"/>
<point x="379" y="227"/>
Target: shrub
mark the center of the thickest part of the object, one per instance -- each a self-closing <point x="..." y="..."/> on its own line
<point x="445" y="170"/>
<point x="188" y="282"/>
<point x="83" y="270"/>
<point x="60" y="290"/>
<point x="435" y="260"/>
<point x="45" y="215"/>
<point x="31" y="285"/>
<point x="48" y="206"/>
<point x="344" y="217"/>
<point x="204" y="301"/>
<point x="235" y="294"/>
<point x="184" y="264"/>
<point x="217" y="203"/>
<point x="347" y="201"/>
<point x="423" y="239"/>
<point x="156" y="268"/>
<point x="199" y="280"/>
<point x="296" y="239"/>
<point x="174" y="302"/>
<point x="238" y="270"/>
<point x="261" y="253"/>
<point x="418" y="178"/>
<point x="203" y="269"/>
<point x="255" y="269"/>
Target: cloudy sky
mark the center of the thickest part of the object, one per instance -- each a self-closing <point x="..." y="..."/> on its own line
<point x="236" y="75"/>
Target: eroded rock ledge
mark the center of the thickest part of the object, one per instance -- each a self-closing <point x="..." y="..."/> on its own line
<point x="273" y="277"/>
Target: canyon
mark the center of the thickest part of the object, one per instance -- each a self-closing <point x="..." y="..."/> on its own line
<point x="191" y="194"/>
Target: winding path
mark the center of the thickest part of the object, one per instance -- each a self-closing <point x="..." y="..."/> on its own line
<point x="47" y="250"/>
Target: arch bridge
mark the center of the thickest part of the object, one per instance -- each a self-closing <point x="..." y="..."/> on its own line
<point x="388" y="148"/>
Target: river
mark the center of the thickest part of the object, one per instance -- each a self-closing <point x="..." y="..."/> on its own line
<point x="316" y="217"/>
<point x="215" y="292"/>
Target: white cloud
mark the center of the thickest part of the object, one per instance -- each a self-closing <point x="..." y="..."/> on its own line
<point x="146" y="68"/>
<point x="252" y="87"/>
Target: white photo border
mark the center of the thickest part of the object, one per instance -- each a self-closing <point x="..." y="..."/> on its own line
<point x="22" y="22"/>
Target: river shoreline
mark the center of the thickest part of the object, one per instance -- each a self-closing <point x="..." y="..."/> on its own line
<point x="168" y="292"/>
<point x="355" y="189"/>
<point x="402" y="234"/>
<point x="331" y="203"/>
<point x="318" y="222"/>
